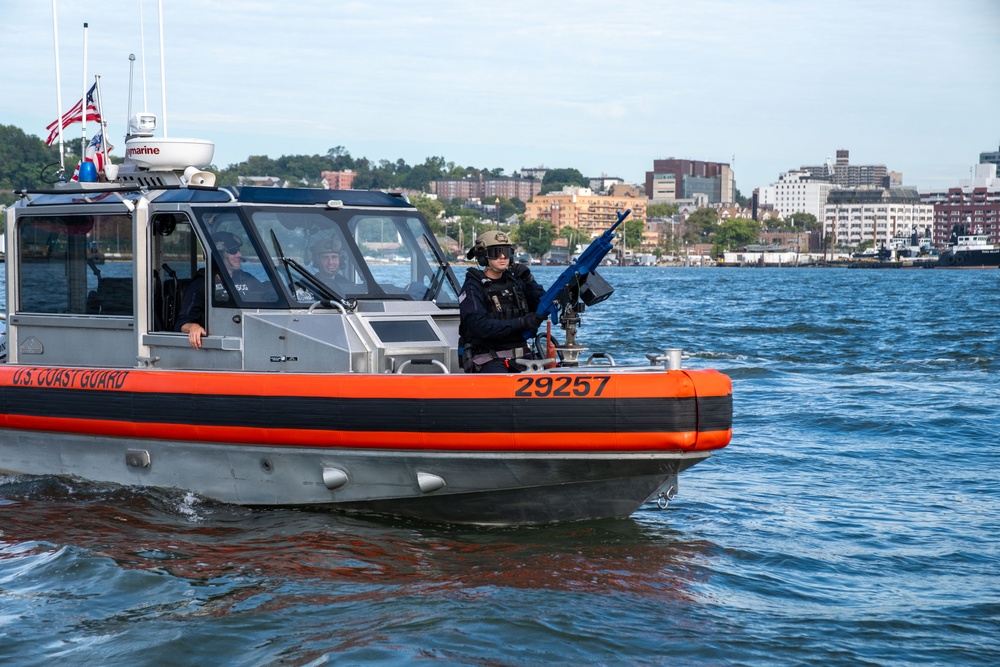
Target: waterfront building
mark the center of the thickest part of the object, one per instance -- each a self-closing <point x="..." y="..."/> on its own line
<point x="672" y="179"/>
<point x="975" y="204"/>
<point x="580" y="208"/>
<point x="487" y="188"/>
<point x="854" y="216"/>
<point x="797" y="191"/>
<point x="338" y="180"/>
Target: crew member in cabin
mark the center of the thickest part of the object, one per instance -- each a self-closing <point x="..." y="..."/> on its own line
<point x="497" y="305"/>
<point x="326" y="255"/>
<point x="191" y="317"/>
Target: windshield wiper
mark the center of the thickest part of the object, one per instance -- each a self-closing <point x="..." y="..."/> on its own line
<point x="437" y="280"/>
<point x="309" y="280"/>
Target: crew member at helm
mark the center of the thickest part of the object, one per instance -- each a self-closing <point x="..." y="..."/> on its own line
<point x="326" y="259"/>
<point x="497" y="304"/>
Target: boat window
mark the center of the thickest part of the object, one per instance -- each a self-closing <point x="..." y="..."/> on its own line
<point x="403" y="259"/>
<point x="236" y="262"/>
<point x="75" y="264"/>
<point x="177" y="257"/>
<point x="304" y="247"/>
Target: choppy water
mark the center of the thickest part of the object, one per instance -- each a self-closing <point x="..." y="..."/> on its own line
<point x="853" y="520"/>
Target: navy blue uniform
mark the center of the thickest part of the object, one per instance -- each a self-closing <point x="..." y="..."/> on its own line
<point x="492" y="327"/>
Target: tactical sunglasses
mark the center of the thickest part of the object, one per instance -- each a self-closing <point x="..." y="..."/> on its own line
<point x="494" y="251"/>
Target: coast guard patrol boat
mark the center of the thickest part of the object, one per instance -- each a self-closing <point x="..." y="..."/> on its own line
<point x="306" y="394"/>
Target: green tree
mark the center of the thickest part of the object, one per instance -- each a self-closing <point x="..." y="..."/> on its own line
<point x="734" y="233"/>
<point x="26" y="162"/>
<point x="574" y="237"/>
<point x="535" y="236"/>
<point x="701" y="225"/>
<point x="432" y="210"/>
<point x="803" y="221"/>
<point x="555" y="179"/>
<point x="661" y="210"/>
<point x="633" y="233"/>
<point x="508" y="207"/>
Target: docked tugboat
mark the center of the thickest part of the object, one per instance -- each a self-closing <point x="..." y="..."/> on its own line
<point x="343" y="394"/>
<point x="969" y="251"/>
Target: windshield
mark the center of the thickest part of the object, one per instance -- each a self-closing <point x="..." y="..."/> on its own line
<point x="323" y="254"/>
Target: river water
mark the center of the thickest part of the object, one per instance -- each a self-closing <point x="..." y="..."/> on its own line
<point x="854" y="519"/>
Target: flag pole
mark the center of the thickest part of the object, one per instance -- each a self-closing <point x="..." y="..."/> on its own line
<point x="104" y="123"/>
<point x="83" y="124"/>
<point x="59" y="112"/>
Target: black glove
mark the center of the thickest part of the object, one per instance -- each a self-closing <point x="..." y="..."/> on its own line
<point x="521" y="272"/>
<point x="532" y="321"/>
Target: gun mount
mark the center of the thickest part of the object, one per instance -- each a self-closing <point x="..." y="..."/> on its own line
<point x="576" y="288"/>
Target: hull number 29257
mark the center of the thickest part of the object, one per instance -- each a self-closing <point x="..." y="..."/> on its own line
<point x="566" y="386"/>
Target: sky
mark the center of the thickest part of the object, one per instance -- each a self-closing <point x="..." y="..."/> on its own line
<point x="605" y="88"/>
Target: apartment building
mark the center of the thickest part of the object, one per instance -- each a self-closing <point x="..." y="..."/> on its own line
<point x="487" y="188"/>
<point x="582" y="209"/>
<point x="797" y="191"/>
<point x="843" y="174"/>
<point x="854" y="216"/>
<point x="975" y="204"/>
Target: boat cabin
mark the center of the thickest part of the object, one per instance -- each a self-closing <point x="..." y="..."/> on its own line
<point x="303" y="280"/>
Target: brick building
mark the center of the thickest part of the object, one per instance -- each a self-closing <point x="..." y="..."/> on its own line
<point x="975" y="204"/>
<point x="673" y="179"/>
<point x="486" y="189"/>
<point x="338" y="180"/>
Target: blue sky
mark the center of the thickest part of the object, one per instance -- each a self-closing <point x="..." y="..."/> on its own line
<point x="605" y="88"/>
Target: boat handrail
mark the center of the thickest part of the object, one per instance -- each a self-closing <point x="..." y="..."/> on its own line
<point x="423" y="362"/>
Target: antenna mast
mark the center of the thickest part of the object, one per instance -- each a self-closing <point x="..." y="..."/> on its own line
<point x="163" y="76"/>
<point x="59" y="112"/>
<point x="83" y="116"/>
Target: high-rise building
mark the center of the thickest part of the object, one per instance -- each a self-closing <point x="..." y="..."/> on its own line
<point x="843" y="174"/>
<point x="992" y="157"/>
<point x="797" y="191"/>
<point x="672" y="179"/>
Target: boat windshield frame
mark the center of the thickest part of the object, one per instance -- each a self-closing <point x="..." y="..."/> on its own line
<point x="383" y="254"/>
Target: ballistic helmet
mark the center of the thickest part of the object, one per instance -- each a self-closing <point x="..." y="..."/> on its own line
<point x="227" y="242"/>
<point x="324" y="246"/>
<point x="486" y="240"/>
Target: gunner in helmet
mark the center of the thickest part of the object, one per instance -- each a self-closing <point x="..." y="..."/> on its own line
<point x="497" y="305"/>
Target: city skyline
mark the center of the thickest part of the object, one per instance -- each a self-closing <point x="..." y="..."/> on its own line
<point x="765" y="87"/>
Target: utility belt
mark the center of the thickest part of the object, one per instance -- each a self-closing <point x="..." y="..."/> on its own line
<point x="515" y="353"/>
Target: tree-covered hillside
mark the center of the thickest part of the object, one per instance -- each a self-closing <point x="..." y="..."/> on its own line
<point x="24" y="158"/>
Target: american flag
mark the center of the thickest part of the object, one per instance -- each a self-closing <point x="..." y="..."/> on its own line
<point x="95" y="154"/>
<point x="75" y="115"/>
